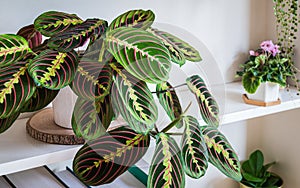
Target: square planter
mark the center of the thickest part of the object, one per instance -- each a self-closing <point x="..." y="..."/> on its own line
<point x="267" y="94"/>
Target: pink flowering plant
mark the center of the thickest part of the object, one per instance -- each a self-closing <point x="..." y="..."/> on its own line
<point x="264" y="65"/>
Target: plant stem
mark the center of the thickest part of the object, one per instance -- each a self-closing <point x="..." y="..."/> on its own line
<point x="169" y="89"/>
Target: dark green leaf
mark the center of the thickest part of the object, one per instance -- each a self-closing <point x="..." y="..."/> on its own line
<point x="77" y="36"/>
<point x="53" y="22"/>
<point x="177" y="46"/>
<point x="256" y="162"/>
<point x="166" y="168"/>
<point x="137" y="97"/>
<point x="102" y="160"/>
<point x="169" y="101"/>
<point x="91" y="119"/>
<point x="133" y="18"/>
<point x="52" y="69"/>
<point x="92" y="80"/>
<point x="208" y="106"/>
<point x="194" y="150"/>
<point x="40" y="99"/>
<point x="221" y="153"/>
<point x="12" y="49"/>
<point x="33" y="37"/>
<point x="140" y="53"/>
<point x="6" y="123"/>
<point x="16" y="88"/>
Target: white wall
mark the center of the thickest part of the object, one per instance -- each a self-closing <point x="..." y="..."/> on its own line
<point x="228" y="28"/>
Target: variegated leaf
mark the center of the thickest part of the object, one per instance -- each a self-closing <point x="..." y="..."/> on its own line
<point x="53" y="22"/>
<point x="120" y="108"/>
<point x="133" y="18"/>
<point x="136" y="97"/>
<point x="221" y="153"/>
<point x="91" y="119"/>
<point x="208" y="106"/>
<point x="16" y="88"/>
<point x="6" y="123"/>
<point x="189" y="52"/>
<point x="102" y="160"/>
<point x="176" y="55"/>
<point x="12" y="48"/>
<point x="33" y="37"/>
<point x="194" y="150"/>
<point x="140" y="53"/>
<point x="40" y="99"/>
<point x="92" y="80"/>
<point x="169" y="101"/>
<point x="167" y="169"/>
<point x="78" y="35"/>
<point x="52" y="69"/>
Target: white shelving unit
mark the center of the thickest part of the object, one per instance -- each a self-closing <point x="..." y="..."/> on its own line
<point x="21" y="152"/>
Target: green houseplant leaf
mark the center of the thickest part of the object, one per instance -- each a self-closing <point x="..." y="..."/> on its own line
<point x="140" y="53"/>
<point x="40" y="99"/>
<point x="177" y="47"/>
<point x="33" y="37"/>
<point x="133" y="18"/>
<point x="169" y="101"/>
<point x="137" y="97"/>
<point x="208" y="106"/>
<point x="251" y="82"/>
<point x="102" y="160"/>
<point x="91" y="119"/>
<point x="6" y="123"/>
<point x="77" y="36"/>
<point x="52" y="22"/>
<point x="120" y="108"/>
<point x="12" y="49"/>
<point x="52" y="69"/>
<point x="193" y="147"/>
<point x="92" y="80"/>
<point x="221" y="153"/>
<point x="176" y="55"/>
<point x="16" y="88"/>
<point x="167" y="169"/>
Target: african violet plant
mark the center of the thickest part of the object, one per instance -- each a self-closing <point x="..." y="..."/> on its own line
<point x="111" y="79"/>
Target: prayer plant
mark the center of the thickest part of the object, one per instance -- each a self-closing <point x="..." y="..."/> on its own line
<point x="111" y="78"/>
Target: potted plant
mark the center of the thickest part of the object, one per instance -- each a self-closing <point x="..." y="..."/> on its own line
<point x="255" y="173"/>
<point x="111" y="80"/>
<point x="264" y="71"/>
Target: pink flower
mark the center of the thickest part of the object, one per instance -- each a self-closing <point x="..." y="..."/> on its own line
<point x="252" y="53"/>
<point x="267" y="46"/>
<point x="275" y="50"/>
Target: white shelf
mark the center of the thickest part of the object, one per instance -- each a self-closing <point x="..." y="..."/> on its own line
<point x="236" y="110"/>
<point x="20" y="152"/>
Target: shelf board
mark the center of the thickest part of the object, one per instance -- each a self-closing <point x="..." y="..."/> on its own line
<point x="236" y="110"/>
<point x="20" y="152"/>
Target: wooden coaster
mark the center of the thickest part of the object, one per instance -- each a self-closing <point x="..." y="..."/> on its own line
<point x="42" y="127"/>
<point x="259" y="103"/>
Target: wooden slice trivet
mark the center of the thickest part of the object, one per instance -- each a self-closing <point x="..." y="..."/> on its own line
<point x="42" y="127"/>
<point x="259" y="103"/>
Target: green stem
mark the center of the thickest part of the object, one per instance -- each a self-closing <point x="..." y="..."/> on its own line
<point x="169" y="89"/>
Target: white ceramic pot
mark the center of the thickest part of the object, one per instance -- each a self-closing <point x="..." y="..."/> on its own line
<point x="63" y="106"/>
<point x="266" y="92"/>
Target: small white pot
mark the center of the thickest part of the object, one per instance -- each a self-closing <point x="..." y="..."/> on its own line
<point x="266" y="92"/>
<point x="63" y="106"/>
